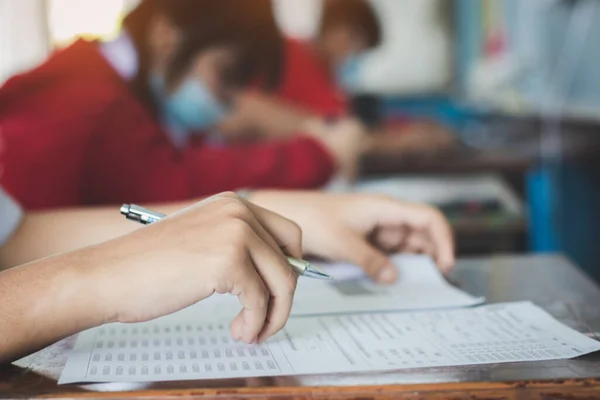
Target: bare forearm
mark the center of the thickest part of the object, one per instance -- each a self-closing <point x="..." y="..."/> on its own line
<point x="266" y="116"/>
<point x="47" y="233"/>
<point x="418" y="138"/>
<point x="282" y="122"/>
<point x="44" y="302"/>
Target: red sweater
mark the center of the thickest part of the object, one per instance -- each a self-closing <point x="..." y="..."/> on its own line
<point x="74" y="134"/>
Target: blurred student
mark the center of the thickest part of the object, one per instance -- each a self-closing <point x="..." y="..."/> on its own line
<point x="125" y="120"/>
<point x="223" y="244"/>
<point x="320" y="79"/>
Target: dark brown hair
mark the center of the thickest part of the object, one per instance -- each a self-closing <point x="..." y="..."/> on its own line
<point x="247" y="25"/>
<point x="358" y="14"/>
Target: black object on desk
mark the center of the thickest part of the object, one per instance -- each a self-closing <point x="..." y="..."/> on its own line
<point x="367" y="108"/>
<point x="471" y="208"/>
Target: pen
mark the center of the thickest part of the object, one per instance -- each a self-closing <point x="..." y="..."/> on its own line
<point x="146" y="217"/>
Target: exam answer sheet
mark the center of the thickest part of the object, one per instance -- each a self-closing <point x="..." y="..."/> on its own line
<point x="191" y="349"/>
<point x="420" y="286"/>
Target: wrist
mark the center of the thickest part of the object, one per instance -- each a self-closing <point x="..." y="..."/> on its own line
<point x="91" y="290"/>
<point x="68" y="294"/>
<point x="102" y="285"/>
<point x="314" y="127"/>
<point x="368" y="145"/>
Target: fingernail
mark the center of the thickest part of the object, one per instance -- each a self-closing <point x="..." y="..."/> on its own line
<point x="387" y="275"/>
<point x="251" y="341"/>
<point x="248" y="336"/>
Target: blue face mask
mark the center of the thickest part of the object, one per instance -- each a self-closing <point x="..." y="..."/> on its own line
<point x="348" y="73"/>
<point x="192" y="107"/>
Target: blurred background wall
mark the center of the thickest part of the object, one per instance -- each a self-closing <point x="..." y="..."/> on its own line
<point x="510" y="54"/>
<point x="416" y="56"/>
<point x="30" y="29"/>
<point x="23" y="35"/>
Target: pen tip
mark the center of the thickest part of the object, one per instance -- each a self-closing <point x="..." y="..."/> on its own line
<point x="315" y="273"/>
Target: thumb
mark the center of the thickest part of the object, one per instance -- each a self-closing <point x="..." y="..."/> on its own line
<point x="374" y="262"/>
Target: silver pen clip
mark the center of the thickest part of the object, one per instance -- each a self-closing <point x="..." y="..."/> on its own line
<point x="140" y="214"/>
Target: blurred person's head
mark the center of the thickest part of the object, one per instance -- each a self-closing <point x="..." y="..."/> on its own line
<point x="348" y="29"/>
<point x="196" y="55"/>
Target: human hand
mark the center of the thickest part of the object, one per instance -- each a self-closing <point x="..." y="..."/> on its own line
<point x="259" y="116"/>
<point x="344" y="139"/>
<point x="221" y="245"/>
<point x="427" y="136"/>
<point x="364" y="229"/>
<point x="420" y="139"/>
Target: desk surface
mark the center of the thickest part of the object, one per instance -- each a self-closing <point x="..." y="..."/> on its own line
<point x="453" y="161"/>
<point x="513" y="145"/>
<point x="551" y="282"/>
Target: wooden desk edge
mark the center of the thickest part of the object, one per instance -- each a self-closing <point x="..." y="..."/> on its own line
<point x="571" y="387"/>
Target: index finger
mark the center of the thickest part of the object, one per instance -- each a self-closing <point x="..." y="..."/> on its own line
<point x="427" y="219"/>
<point x="276" y="230"/>
<point x="440" y="232"/>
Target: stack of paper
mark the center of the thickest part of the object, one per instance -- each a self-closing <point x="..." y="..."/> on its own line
<point x="346" y="325"/>
<point x="196" y="349"/>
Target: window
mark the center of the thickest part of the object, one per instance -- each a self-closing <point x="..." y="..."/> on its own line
<point x="90" y="19"/>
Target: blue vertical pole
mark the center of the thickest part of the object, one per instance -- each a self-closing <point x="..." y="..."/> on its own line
<point x="541" y="199"/>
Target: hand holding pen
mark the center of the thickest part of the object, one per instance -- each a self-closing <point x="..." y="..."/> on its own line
<point x="144" y="216"/>
<point x="220" y="245"/>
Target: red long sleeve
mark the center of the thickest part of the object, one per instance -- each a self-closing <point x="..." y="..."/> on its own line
<point x="151" y="170"/>
<point x="74" y="134"/>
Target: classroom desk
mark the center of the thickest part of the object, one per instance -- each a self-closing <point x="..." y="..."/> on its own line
<point x="499" y="144"/>
<point x="550" y="281"/>
<point x="459" y="160"/>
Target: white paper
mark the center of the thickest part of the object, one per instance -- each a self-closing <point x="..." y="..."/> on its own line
<point x="194" y="349"/>
<point x="50" y="361"/>
<point x="420" y="286"/>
